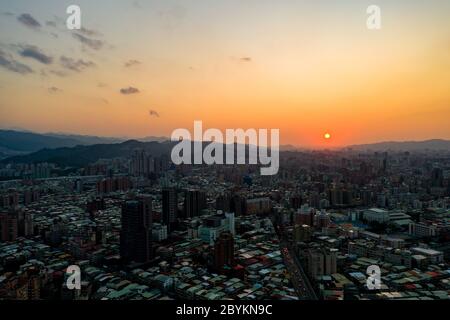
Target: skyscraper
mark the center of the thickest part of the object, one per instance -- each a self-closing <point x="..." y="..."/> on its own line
<point x="437" y="178"/>
<point x="9" y="226"/>
<point x="136" y="233"/>
<point x="169" y="207"/>
<point x="194" y="203"/>
<point x="224" y="251"/>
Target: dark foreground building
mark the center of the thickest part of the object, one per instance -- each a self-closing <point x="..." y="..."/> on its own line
<point x="136" y="233"/>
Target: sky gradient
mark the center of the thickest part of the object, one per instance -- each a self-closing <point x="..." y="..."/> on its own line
<point x="145" y="68"/>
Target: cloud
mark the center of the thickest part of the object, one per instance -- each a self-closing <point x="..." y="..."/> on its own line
<point x="244" y="59"/>
<point x="153" y="113"/>
<point x="89" y="32"/>
<point x="102" y="85"/>
<point x="35" y="53"/>
<point x="8" y="62"/>
<point x="131" y="63"/>
<point x="54" y="90"/>
<point x="50" y="24"/>
<point x="28" y="21"/>
<point x="94" y="44"/>
<point x="75" y="65"/>
<point x="58" y="73"/>
<point x="129" y="90"/>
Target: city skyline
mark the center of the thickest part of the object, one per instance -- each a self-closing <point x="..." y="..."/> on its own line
<point x="140" y="69"/>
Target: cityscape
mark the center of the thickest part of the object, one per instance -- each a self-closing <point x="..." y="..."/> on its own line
<point x="142" y="228"/>
<point x="341" y="194"/>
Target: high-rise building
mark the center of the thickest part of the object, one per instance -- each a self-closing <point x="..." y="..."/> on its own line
<point x="224" y="251"/>
<point x="304" y="215"/>
<point x="142" y="164"/>
<point x="223" y="202"/>
<point x="322" y="262"/>
<point x="437" y="178"/>
<point x="24" y="222"/>
<point x="169" y="207"/>
<point x="238" y="205"/>
<point x="194" y="203"/>
<point x="136" y="233"/>
<point x="315" y="263"/>
<point x="330" y="261"/>
<point x="258" y="206"/>
<point x="9" y="226"/>
<point x="10" y="200"/>
<point x="302" y="233"/>
<point x="296" y="201"/>
<point x="322" y="219"/>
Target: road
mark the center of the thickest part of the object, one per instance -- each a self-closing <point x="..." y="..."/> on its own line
<point x="299" y="279"/>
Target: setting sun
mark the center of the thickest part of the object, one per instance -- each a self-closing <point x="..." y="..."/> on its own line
<point x="327" y="136"/>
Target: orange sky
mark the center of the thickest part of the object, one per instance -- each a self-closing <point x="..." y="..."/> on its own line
<point x="304" y="69"/>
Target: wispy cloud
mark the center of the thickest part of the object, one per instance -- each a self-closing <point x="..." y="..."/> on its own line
<point x="153" y="113"/>
<point x="131" y="63"/>
<point x="54" y="90"/>
<point x="244" y="59"/>
<point x="75" y="65"/>
<point x="89" y="32"/>
<point x="94" y="44"/>
<point x="8" y="62"/>
<point x="29" y="21"/>
<point x="129" y="90"/>
<point x="33" y="52"/>
<point x="51" y="24"/>
<point x="58" y="73"/>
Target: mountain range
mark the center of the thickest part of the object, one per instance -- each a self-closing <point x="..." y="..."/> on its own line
<point x="396" y="146"/>
<point x="14" y="142"/>
<point x="78" y="150"/>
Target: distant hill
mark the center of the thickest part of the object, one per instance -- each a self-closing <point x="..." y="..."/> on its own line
<point x="82" y="155"/>
<point x="18" y="141"/>
<point x="151" y="138"/>
<point x="434" y="145"/>
<point x="86" y="140"/>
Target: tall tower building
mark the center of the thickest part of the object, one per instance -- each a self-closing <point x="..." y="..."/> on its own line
<point x="437" y="177"/>
<point x="169" y="207"/>
<point x="9" y="226"/>
<point x="224" y="251"/>
<point x="136" y="233"/>
<point x="194" y="203"/>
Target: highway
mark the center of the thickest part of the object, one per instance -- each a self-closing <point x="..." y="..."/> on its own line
<point x="300" y="280"/>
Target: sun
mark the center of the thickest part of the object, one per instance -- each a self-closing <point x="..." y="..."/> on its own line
<point x="327" y="136"/>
